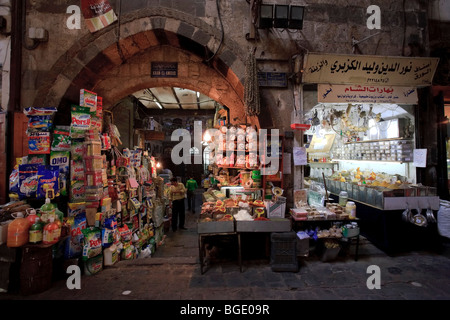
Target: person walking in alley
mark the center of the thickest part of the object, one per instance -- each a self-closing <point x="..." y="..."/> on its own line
<point x="191" y="186"/>
<point x="177" y="194"/>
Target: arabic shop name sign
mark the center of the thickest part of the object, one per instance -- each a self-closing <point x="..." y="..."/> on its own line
<point x="369" y="70"/>
<point x="328" y="93"/>
<point x="164" y="70"/>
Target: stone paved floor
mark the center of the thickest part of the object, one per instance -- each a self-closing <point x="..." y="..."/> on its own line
<point x="173" y="273"/>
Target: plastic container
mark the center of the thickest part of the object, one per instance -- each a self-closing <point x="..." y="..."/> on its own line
<point x="18" y="231"/>
<point x="52" y="232"/>
<point x="350" y="209"/>
<point x="32" y="216"/>
<point x="36" y="231"/>
<point x="48" y="210"/>
<point x="343" y="198"/>
<point x="110" y="255"/>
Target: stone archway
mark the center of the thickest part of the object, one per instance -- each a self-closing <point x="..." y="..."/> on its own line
<point x="116" y="66"/>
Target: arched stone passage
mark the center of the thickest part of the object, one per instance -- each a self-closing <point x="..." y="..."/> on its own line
<point x="116" y="68"/>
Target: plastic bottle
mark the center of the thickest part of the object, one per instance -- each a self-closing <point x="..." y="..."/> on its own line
<point x="343" y="198"/>
<point x="18" y="232"/>
<point x="47" y="210"/>
<point x="52" y="232"/>
<point x="350" y="208"/>
<point x="31" y="216"/>
<point x="36" y="231"/>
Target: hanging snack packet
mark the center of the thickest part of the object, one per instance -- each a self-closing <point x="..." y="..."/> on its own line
<point x="61" y="139"/>
<point x="28" y="180"/>
<point x="92" y="242"/>
<point x="48" y="178"/>
<point x="81" y="121"/>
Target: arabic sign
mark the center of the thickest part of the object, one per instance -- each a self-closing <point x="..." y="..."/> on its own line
<point x="98" y="14"/>
<point x="164" y="69"/>
<point x="366" y="94"/>
<point x="369" y="70"/>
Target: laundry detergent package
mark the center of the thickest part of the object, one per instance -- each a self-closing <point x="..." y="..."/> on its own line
<point x="81" y="121"/>
<point x="74" y="244"/>
<point x="92" y="242"/>
<point x="28" y="181"/>
<point x="88" y="99"/>
<point x="60" y="159"/>
<point x="45" y="111"/>
<point x="109" y="231"/>
<point x="77" y="191"/>
<point x="48" y="178"/>
<point x="14" y="181"/>
<point x="40" y="159"/>
<point x="40" y="124"/>
<point x="77" y="150"/>
<point x="76" y="208"/>
<point x="76" y="170"/>
<point x="39" y="143"/>
<point x="61" y="139"/>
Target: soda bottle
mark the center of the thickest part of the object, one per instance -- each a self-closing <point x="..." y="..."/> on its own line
<point x="36" y="231"/>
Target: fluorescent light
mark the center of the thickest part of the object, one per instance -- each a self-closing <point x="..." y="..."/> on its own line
<point x="159" y="105"/>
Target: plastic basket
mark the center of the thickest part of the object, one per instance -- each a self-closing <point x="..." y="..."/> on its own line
<point x="284" y="252"/>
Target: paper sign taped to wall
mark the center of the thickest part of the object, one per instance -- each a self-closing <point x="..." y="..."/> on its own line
<point x="420" y="158"/>
<point x="300" y="156"/>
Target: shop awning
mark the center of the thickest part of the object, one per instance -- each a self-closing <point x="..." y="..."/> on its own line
<point x="369" y="70"/>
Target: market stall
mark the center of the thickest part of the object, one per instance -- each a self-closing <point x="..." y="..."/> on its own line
<point x="365" y="154"/>
<point x="79" y="197"/>
<point x="248" y="197"/>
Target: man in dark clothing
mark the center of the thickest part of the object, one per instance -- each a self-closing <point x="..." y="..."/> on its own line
<point x="191" y="186"/>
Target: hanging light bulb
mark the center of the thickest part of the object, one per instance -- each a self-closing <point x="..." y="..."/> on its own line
<point x="158" y="165"/>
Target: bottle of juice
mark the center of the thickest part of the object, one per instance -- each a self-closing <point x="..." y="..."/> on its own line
<point x="36" y="231"/>
<point x="18" y="232"/>
<point x="52" y="232"/>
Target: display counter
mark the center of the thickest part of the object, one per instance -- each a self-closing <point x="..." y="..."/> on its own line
<point x="388" y="231"/>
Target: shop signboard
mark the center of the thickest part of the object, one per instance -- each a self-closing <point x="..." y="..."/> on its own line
<point x="336" y="93"/>
<point x="272" y="79"/>
<point x="368" y="70"/>
<point x="164" y="69"/>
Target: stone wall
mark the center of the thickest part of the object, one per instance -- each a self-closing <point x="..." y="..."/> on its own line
<point x="54" y="67"/>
